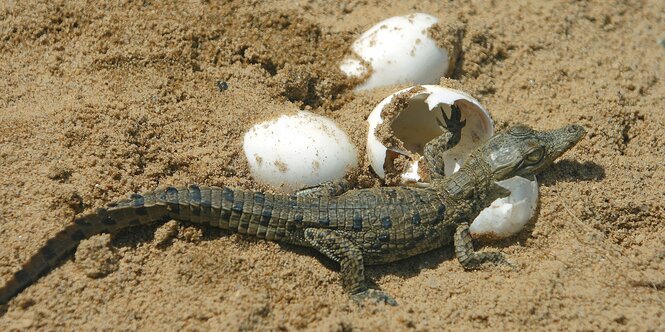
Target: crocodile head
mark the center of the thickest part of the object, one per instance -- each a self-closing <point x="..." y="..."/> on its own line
<point x="522" y="151"/>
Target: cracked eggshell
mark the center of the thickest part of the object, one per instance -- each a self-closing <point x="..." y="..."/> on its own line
<point x="298" y="150"/>
<point x="507" y="216"/>
<point x="417" y="124"/>
<point x="398" y="50"/>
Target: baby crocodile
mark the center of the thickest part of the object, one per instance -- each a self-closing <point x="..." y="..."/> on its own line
<point x="352" y="227"/>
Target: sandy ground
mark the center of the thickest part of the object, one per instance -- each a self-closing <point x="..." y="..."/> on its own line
<point x="98" y="101"/>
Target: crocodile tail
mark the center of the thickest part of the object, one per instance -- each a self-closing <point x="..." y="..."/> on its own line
<point x="247" y="212"/>
<point x="138" y="209"/>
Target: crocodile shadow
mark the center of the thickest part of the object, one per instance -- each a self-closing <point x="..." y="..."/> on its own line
<point x="564" y="170"/>
<point x="571" y="171"/>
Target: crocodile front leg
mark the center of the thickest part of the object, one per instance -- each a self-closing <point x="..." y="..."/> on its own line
<point x="467" y="256"/>
<point x="340" y="249"/>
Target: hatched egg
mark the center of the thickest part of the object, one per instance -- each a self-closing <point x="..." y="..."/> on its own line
<point x="298" y="150"/>
<point x="400" y="50"/>
<point x="414" y="113"/>
<point x="412" y="116"/>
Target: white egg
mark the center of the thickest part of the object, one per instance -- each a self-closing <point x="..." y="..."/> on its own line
<point x="398" y="50"/>
<point x="416" y="124"/>
<point x="507" y="216"/>
<point x="299" y="150"/>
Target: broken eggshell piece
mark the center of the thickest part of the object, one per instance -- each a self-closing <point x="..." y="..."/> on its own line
<point x="298" y="150"/>
<point x="413" y="114"/>
<point x="507" y="216"/>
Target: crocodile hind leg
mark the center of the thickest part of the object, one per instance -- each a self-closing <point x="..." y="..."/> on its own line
<point x="467" y="256"/>
<point x="340" y="249"/>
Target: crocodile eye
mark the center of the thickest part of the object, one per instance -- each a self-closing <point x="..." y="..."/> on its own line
<point x="520" y="130"/>
<point x="535" y="156"/>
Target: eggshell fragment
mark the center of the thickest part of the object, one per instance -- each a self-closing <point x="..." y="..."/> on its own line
<point x="398" y="50"/>
<point x="507" y="216"/>
<point x="296" y="151"/>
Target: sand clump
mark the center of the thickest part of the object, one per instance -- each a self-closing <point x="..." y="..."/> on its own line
<point x="101" y="100"/>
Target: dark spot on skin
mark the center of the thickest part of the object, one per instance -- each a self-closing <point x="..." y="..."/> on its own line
<point x="237" y="207"/>
<point x="196" y="210"/>
<point x="266" y="215"/>
<point x="440" y="214"/>
<point x="298" y="218"/>
<point x="78" y="235"/>
<point x="415" y="219"/>
<point x="134" y="222"/>
<point x="386" y="222"/>
<point x="47" y="252"/>
<point x="357" y="222"/>
<point x="259" y="198"/>
<point x="142" y="211"/>
<point x="324" y="221"/>
<point x="172" y="195"/>
<point x="226" y="215"/>
<point x="410" y="245"/>
<point x="195" y="194"/>
<point x="384" y="237"/>
<point x="419" y="237"/>
<point x="227" y="194"/>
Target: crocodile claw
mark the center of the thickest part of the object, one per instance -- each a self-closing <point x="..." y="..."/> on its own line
<point x="453" y="125"/>
<point x="454" y="122"/>
<point x="373" y="295"/>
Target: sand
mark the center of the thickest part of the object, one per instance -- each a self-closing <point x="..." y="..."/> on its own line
<point x="99" y="101"/>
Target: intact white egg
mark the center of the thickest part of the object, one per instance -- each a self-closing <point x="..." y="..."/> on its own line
<point x="412" y="115"/>
<point x="398" y="50"/>
<point x="298" y="150"/>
